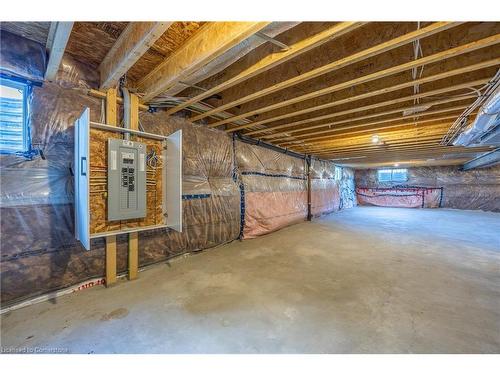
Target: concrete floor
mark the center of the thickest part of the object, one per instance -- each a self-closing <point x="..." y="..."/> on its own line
<point x="366" y="280"/>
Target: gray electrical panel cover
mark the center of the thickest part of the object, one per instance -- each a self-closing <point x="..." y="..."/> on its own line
<point x="126" y="179"/>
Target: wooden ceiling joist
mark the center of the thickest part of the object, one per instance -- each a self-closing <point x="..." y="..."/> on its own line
<point x="362" y="55"/>
<point x="429" y="149"/>
<point x="132" y="43"/>
<point x="274" y="60"/>
<point x="365" y="141"/>
<point x="443" y="55"/>
<point x="373" y="115"/>
<point x="385" y="90"/>
<point x="210" y="41"/>
<point x="410" y="144"/>
<point x="369" y="129"/>
<point x="56" y="44"/>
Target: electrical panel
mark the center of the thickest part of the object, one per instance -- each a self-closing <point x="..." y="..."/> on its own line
<point x="126" y="179"/>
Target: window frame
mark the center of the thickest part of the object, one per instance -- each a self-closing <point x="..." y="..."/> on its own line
<point x="338" y="173"/>
<point x="25" y="88"/>
<point x="392" y="175"/>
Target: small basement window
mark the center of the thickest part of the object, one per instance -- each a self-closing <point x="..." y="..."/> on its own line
<point x="392" y="175"/>
<point x="338" y="173"/>
<point x="14" y="135"/>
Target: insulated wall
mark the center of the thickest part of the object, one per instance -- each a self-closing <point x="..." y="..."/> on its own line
<point x="273" y="189"/>
<point x="476" y="189"/>
<point x="39" y="252"/>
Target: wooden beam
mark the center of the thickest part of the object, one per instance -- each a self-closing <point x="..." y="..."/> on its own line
<point x="388" y="141"/>
<point x="368" y="128"/>
<point x="210" y="41"/>
<point x="453" y="52"/>
<point x="133" y="238"/>
<point x="56" y="44"/>
<point x="111" y="119"/>
<point x="407" y="152"/>
<point x="385" y="90"/>
<point x="335" y="132"/>
<point x="407" y="127"/>
<point x="362" y="55"/>
<point x="378" y="105"/>
<point x="274" y="60"/>
<point x="132" y="43"/>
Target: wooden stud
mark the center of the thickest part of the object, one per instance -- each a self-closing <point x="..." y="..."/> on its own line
<point x="210" y="41"/>
<point x="132" y="43"/>
<point x="362" y="55"/>
<point x="453" y="52"/>
<point x="133" y="238"/>
<point x="110" y="260"/>
<point x="274" y="60"/>
<point x="111" y="119"/>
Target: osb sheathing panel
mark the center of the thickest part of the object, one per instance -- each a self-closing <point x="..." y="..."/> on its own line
<point x="98" y="185"/>
<point x="36" y="31"/>
<point x="90" y="42"/>
<point x="477" y="189"/>
<point x="175" y="36"/>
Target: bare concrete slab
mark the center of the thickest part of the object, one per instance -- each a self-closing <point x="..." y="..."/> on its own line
<point x="366" y="280"/>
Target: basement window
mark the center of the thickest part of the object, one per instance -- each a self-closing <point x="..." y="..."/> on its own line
<point x="338" y="173"/>
<point x="392" y="175"/>
<point x="14" y="136"/>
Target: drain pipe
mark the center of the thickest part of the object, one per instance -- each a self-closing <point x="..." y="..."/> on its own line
<point x="126" y="111"/>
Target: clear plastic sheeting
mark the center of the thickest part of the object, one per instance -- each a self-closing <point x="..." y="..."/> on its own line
<point x="325" y="189"/>
<point x="273" y="189"/>
<point x="476" y="189"/>
<point x="53" y="109"/>
<point x="21" y="57"/>
<point x="409" y="197"/>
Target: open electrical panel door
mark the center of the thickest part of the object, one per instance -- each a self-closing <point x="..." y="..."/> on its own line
<point x="128" y="162"/>
<point x="81" y="173"/>
<point x="173" y="181"/>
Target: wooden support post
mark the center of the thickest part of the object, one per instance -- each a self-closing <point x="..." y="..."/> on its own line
<point x="111" y="119"/>
<point x="133" y="238"/>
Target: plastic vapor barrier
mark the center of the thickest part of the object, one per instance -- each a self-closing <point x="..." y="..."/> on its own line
<point x="404" y="196"/>
<point x="476" y="189"/>
<point x="325" y="189"/>
<point x="273" y="189"/>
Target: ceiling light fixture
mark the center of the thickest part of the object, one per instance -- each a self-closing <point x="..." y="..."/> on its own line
<point x="375" y="138"/>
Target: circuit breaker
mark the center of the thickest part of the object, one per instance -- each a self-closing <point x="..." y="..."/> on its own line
<point x="126" y="179"/>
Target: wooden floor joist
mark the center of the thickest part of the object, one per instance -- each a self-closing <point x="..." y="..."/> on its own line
<point x="212" y="40"/>
<point x="334" y="132"/>
<point x="406" y="128"/>
<point x="132" y="43"/>
<point x="401" y="110"/>
<point x="362" y="55"/>
<point x="443" y="55"/>
<point x="385" y="90"/>
<point x="274" y="60"/>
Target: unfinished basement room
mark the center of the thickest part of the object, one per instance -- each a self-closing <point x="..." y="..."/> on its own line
<point x="250" y="187"/>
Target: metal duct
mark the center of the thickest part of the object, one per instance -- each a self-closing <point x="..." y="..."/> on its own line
<point x="485" y="129"/>
<point x="231" y="56"/>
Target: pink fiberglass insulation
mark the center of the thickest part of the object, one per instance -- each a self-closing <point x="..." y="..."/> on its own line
<point x="410" y="197"/>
